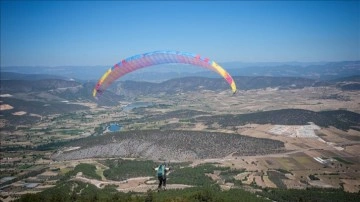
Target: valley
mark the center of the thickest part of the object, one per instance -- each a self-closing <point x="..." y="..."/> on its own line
<point x="271" y="137"/>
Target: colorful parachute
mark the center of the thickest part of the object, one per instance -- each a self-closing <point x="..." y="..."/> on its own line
<point x="155" y="58"/>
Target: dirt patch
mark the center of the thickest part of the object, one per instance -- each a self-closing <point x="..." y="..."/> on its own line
<point x="351" y="185"/>
<point x="353" y="149"/>
<point x="5" y="107"/>
<point x="5" y="95"/>
<point x="20" y="113"/>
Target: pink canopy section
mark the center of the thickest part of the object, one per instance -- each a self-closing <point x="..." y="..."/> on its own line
<point x="156" y="58"/>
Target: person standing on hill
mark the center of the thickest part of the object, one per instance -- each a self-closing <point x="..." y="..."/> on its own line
<point x="161" y="171"/>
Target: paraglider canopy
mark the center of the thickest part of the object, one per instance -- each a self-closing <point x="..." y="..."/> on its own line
<point x="155" y="58"/>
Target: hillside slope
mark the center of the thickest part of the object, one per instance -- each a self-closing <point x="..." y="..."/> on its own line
<point x="170" y="145"/>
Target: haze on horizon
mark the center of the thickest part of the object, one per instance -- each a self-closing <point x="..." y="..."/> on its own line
<point x="56" y="33"/>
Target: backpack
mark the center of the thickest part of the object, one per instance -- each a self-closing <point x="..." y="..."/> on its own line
<point x="161" y="171"/>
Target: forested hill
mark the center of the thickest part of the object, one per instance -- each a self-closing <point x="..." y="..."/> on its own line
<point x="187" y="84"/>
<point x="64" y="88"/>
<point x="170" y="144"/>
<point x="19" y="86"/>
<point x="69" y="90"/>
<point x="340" y="119"/>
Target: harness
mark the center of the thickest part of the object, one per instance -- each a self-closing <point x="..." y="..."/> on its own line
<point x="161" y="171"/>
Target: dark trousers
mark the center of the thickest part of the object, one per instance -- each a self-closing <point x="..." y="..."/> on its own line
<point x="162" y="181"/>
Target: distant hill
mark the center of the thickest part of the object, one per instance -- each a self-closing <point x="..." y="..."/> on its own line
<point x="69" y="90"/>
<point x="326" y="71"/>
<point x="340" y="119"/>
<point x="74" y="72"/>
<point x="158" y="73"/>
<point x="50" y="90"/>
<point x="19" y="76"/>
<point x="354" y="78"/>
<point x="348" y="83"/>
<point x="17" y="86"/>
<point x="41" y="108"/>
<point x="44" y="97"/>
<point x="33" y="110"/>
<point x="173" y="86"/>
<point x="351" y="86"/>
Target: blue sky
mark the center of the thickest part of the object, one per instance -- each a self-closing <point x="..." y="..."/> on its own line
<point x="56" y="33"/>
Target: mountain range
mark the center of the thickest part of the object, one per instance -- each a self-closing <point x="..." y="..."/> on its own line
<point x="159" y="73"/>
<point x="70" y="90"/>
